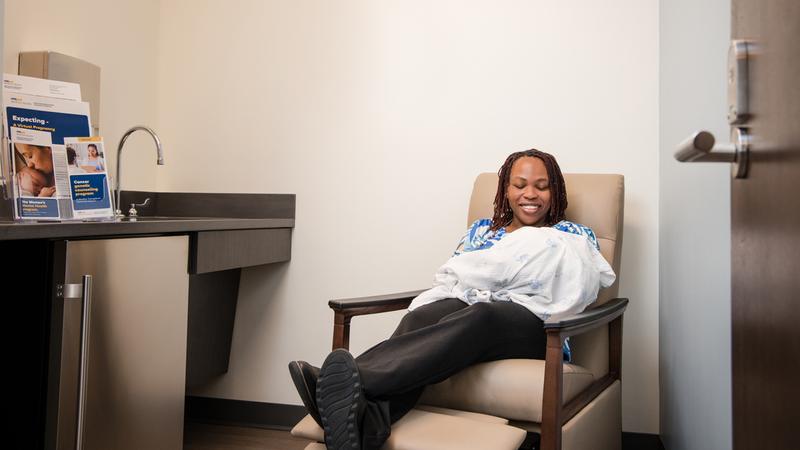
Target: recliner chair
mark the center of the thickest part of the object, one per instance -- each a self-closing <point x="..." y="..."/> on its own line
<point x="508" y="404"/>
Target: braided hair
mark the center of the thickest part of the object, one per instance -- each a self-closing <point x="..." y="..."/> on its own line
<point x="503" y="215"/>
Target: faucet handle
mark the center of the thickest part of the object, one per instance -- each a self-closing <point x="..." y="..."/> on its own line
<point x="132" y="212"/>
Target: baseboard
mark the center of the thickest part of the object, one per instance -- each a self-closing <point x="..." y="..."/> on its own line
<point x="641" y="441"/>
<point x="283" y="417"/>
<point x="243" y="413"/>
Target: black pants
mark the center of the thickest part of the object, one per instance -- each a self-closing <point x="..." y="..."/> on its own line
<point x="434" y="342"/>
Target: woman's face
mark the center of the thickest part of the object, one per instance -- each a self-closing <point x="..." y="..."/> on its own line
<point x="39" y="158"/>
<point x="528" y="193"/>
<point x="92" y="152"/>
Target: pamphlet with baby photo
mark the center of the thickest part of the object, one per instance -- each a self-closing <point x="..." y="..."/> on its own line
<point x="36" y="124"/>
<point x="35" y="174"/>
<point x="88" y="178"/>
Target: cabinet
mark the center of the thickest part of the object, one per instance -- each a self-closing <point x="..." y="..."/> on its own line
<point x="137" y="343"/>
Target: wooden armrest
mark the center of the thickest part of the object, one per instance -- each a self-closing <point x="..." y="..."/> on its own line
<point x="347" y="308"/>
<point x="588" y="319"/>
<point x="378" y="303"/>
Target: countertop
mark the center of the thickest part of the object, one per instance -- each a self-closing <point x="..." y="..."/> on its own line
<point x="168" y="213"/>
<point x="144" y="225"/>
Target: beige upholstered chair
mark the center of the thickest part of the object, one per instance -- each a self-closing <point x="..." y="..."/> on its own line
<point x="508" y="404"/>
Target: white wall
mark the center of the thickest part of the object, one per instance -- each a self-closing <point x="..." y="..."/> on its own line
<point x="694" y="254"/>
<point x="378" y="115"/>
<point x="119" y="36"/>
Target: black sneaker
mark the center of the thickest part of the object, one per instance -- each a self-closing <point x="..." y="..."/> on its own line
<point x="304" y="377"/>
<point x="341" y="402"/>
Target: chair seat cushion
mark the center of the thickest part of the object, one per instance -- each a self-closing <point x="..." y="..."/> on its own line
<point x="465" y="414"/>
<point x="426" y="430"/>
<point x="510" y="388"/>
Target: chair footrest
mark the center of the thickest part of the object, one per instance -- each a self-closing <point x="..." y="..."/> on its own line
<point x="433" y="431"/>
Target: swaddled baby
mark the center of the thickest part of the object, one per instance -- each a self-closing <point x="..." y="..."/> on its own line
<point x="552" y="273"/>
<point x="33" y="183"/>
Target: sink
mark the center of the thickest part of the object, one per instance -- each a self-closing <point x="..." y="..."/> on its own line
<point x="194" y="206"/>
<point x="158" y="218"/>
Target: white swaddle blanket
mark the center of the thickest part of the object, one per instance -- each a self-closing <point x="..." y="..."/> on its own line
<point x="552" y="273"/>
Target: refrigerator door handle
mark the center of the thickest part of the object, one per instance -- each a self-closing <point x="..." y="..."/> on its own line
<point x="83" y="292"/>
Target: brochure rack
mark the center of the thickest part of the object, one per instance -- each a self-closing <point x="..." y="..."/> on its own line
<point x="53" y="168"/>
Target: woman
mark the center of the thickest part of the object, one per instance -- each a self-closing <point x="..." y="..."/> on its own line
<point x="356" y="400"/>
<point x="94" y="161"/>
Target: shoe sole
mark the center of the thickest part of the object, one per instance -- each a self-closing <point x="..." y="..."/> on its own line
<point x="340" y="401"/>
<point x="304" y="390"/>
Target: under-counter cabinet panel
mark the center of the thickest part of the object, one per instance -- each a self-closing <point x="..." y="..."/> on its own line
<point x="137" y="343"/>
<point x="230" y="249"/>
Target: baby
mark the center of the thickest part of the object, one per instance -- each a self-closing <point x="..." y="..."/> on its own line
<point x="33" y="183"/>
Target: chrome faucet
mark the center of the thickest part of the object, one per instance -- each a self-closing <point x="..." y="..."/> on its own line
<point x="160" y="161"/>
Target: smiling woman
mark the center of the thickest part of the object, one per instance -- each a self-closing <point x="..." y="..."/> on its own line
<point x="529" y="182"/>
<point x="483" y="307"/>
<point x="530" y="192"/>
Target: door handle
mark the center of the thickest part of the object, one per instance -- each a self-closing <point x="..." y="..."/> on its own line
<point x="82" y="291"/>
<point x="699" y="147"/>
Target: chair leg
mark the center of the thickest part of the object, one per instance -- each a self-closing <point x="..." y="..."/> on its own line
<point x="552" y="404"/>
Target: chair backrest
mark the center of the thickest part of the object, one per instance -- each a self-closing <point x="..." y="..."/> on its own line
<point x="597" y="201"/>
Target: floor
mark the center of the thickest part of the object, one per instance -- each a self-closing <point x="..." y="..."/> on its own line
<point x="200" y="436"/>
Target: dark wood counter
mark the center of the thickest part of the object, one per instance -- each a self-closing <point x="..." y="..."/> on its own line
<point x="142" y="226"/>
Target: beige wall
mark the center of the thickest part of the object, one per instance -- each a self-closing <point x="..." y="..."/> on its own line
<point x="378" y="115"/>
<point x="119" y="36"/>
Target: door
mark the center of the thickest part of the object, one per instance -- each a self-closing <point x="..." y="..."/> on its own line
<point x="765" y="221"/>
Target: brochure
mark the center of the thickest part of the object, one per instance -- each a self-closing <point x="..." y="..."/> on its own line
<point x="21" y="84"/>
<point x="36" y="193"/>
<point x="88" y="178"/>
<point x="36" y="126"/>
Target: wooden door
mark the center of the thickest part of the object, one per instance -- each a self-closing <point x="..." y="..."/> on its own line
<point x="765" y="220"/>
